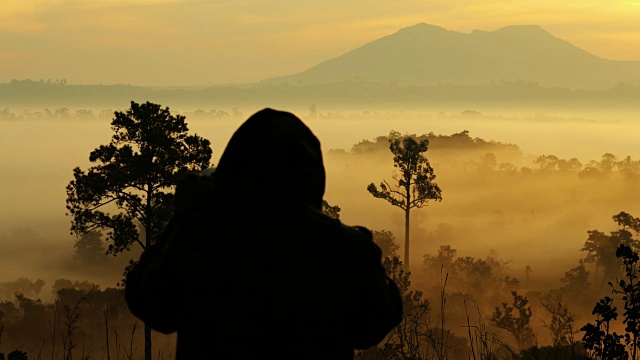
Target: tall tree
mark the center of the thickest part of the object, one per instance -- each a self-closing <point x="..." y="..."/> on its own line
<point x="601" y="248"/>
<point x="89" y="249"/>
<point x="128" y="190"/>
<point x="414" y="186"/>
<point x="516" y="319"/>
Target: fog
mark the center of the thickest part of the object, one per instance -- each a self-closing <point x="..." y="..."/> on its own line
<point x="501" y="205"/>
<point x="527" y="220"/>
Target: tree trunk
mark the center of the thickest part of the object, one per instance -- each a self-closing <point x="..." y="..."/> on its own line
<point x="406" y="238"/>
<point x="407" y="210"/>
<point x="147" y="243"/>
<point x="147" y="342"/>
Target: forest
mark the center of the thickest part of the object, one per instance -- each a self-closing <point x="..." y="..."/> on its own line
<point x="525" y="256"/>
<point x="356" y="91"/>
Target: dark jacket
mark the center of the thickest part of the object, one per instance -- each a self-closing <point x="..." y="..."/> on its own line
<point x="260" y="272"/>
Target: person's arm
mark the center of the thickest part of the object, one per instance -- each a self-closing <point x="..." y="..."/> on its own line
<point x="379" y="306"/>
<point x="153" y="284"/>
<point x="150" y="291"/>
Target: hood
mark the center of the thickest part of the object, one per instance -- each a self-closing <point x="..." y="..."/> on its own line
<point x="272" y="160"/>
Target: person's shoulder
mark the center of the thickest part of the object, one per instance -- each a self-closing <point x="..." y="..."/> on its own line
<point x="322" y="220"/>
<point x="345" y="233"/>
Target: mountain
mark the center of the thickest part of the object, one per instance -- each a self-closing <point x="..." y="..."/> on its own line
<point x="425" y="54"/>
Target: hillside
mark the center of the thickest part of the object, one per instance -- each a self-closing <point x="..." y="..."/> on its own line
<point x="425" y="54"/>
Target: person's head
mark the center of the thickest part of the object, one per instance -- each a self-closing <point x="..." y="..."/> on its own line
<point x="273" y="157"/>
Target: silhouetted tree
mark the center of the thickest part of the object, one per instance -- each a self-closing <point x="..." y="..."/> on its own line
<point x="600" y="169"/>
<point x="576" y="283"/>
<point x="598" y="337"/>
<point x="333" y="211"/>
<point x="21" y="286"/>
<point x="313" y="111"/>
<point x="85" y="285"/>
<point x="474" y="272"/>
<point x="415" y="185"/>
<point x="601" y="248"/>
<point x="488" y="163"/>
<point x="628" y="167"/>
<point x="572" y="164"/>
<point x="561" y="325"/>
<point x="516" y="319"/>
<point x="408" y="339"/>
<point x="128" y="190"/>
<point x="552" y="162"/>
<point x="444" y="261"/>
<point x="89" y="247"/>
<point x="387" y="243"/>
<point x="546" y="162"/>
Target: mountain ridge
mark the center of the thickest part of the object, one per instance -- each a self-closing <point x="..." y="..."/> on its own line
<point x="426" y="54"/>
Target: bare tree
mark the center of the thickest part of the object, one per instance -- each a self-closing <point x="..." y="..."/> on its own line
<point x="71" y="318"/>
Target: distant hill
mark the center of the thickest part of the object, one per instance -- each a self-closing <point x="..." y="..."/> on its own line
<point x="418" y="66"/>
<point x="35" y="95"/>
<point x="426" y="55"/>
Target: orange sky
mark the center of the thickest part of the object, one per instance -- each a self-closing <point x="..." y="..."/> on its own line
<point x="184" y="42"/>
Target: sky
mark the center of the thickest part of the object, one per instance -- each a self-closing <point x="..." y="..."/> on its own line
<point x="205" y="42"/>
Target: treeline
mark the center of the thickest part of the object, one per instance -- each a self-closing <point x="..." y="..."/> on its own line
<point x="464" y="307"/>
<point x="348" y="92"/>
<point x="484" y="156"/>
<point x="82" y="322"/>
<point x="106" y="114"/>
<point x="502" y="314"/>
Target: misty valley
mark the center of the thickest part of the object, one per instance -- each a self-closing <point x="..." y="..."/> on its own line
<point x="509" y="264"/>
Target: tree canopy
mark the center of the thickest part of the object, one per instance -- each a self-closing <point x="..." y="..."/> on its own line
<point x="414" y="186"/>
<point x="128" y="192"/>
<point x="601" y="248"/>
<point x="130" y="184"/>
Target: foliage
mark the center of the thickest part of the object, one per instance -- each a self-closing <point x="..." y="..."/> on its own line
<point x="71" y="325"/>
<point x="332" y="211"/>
<point x="485" y="344"/>
<point x="443" y="261"/>
<point x="557" y="352"/>
<point x="483" y="279"/>
<point x="128" y="190"/>
<point x="576" y="283"/>
<point x="85" y="285"/>
<point x="561" y="325"/>
<point x="414" y="186"/>
<point x="629" y="289"/>
<point x="608" y="164"/>
<point x="601" y="248"/>
<point x="552" y="162"/>
<point x="516" y="319"/>
<point x="21" y="286"/>
<point x="488" y="163"/>
<point x="408" y="339"/>
<point x="387" y="243"/>
<point x="89" y="249"/>
<point x="598" y="337"/>
<point x="461" y="140"/>
<point x="149" y="151"/>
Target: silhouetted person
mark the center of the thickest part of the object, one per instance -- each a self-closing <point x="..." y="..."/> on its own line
<point x="260" y="272"/>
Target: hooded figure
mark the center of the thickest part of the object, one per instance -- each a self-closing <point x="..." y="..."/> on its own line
<point x="261" y="272"/>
